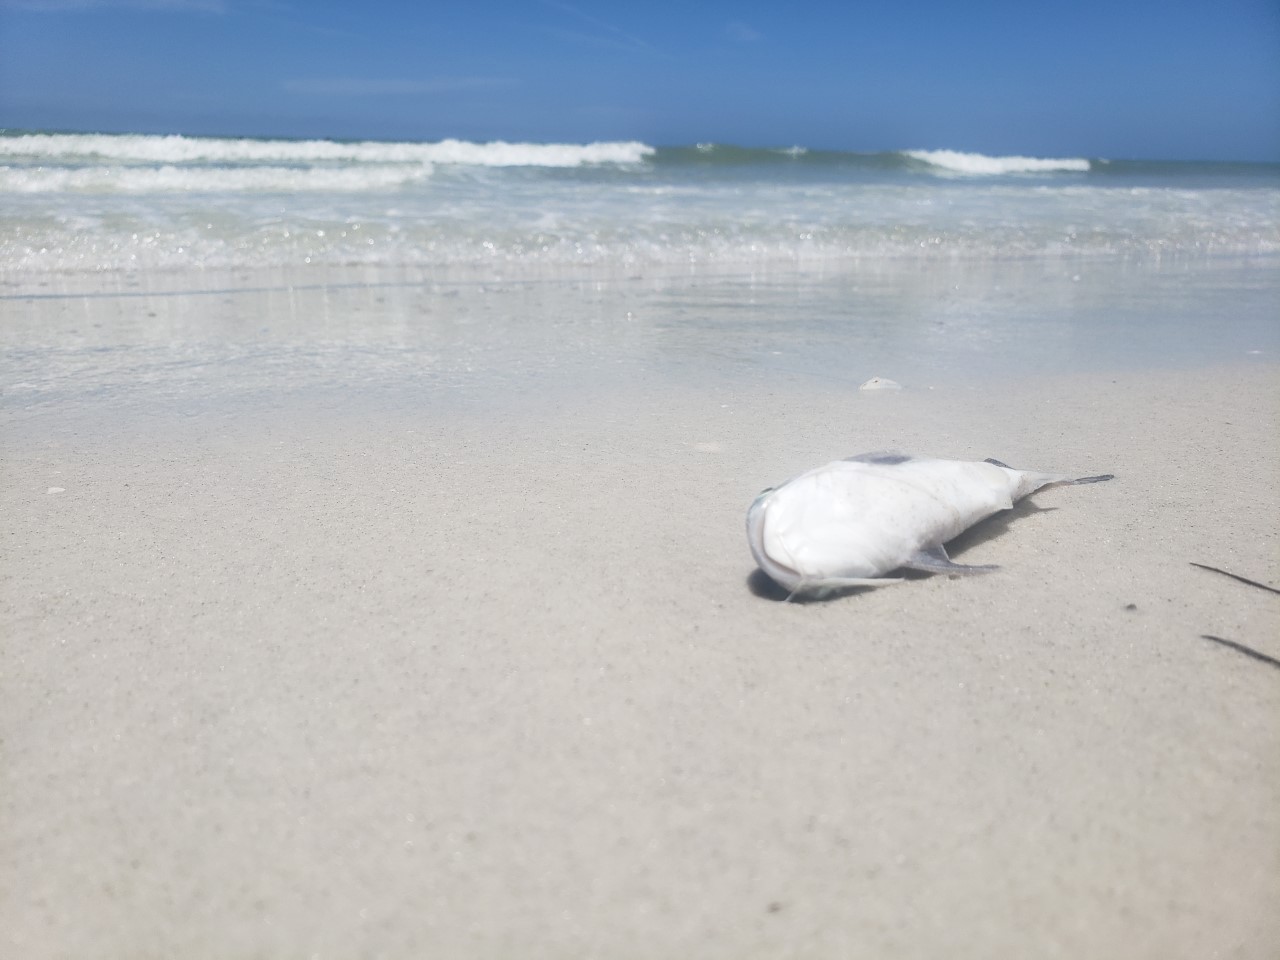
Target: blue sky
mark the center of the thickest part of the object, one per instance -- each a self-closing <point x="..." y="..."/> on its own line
<point x="1120" y="78"/>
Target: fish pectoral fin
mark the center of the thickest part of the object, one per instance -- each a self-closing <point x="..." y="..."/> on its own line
<point x="935" y="560"/>
<point x="835" y="582"/>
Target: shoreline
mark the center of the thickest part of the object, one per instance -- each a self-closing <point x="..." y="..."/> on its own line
<point x="367" y="331"/>
<point x="20" y="284"/>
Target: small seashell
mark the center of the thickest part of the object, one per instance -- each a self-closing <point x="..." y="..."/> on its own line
<point x="881" y="383"/>
<point x="56" y="490"/>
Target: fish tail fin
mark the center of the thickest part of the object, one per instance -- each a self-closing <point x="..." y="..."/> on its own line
<point x="1028" y="483"/>
<point x="1032" y="481"/>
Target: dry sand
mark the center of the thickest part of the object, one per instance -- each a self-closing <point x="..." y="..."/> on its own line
<point x="473" y="667"/>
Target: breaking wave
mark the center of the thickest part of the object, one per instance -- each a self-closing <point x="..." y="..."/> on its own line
<point x="177" y="149"/>
<point x="978" y="164"/>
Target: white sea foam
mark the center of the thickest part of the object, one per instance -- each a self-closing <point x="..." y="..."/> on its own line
<point x="179" y="149"/>
<point x="201" y="179"/>
<point x="954" y="161"/>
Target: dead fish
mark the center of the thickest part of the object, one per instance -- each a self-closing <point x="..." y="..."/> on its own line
<point x="849" y="523"/>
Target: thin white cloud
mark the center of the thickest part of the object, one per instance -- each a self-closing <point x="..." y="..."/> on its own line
<point x="740" y="32"/>
<point x="370" y="87"/>
<point x="599" y="34"/>
<point x="165" y="6"/>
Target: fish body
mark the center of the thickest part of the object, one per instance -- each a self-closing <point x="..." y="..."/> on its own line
<point x="850" y="522"/>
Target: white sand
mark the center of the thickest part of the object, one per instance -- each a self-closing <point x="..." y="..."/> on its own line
<point x="465" y="667"/>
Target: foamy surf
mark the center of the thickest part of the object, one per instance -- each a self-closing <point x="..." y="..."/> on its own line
<point x="202" y="179"/>
<point x="978" y="164"/>
<point x="176" y="149"/>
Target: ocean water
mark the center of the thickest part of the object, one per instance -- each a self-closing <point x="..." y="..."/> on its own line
<point x="175" y="273"/>
<point x="73" y="203"/>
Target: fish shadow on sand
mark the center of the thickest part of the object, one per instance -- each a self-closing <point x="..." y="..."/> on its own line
<point x="762" y="586"/>
<point x="994" y="526"/>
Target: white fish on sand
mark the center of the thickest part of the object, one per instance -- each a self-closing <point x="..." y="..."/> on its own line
<point x="849" y="523"/>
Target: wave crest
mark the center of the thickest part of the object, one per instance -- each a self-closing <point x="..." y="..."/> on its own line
<point x="979" y="164"/>
<point x="176" y="148"/>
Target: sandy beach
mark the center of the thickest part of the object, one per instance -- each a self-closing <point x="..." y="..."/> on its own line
<point x="390" y="617"/>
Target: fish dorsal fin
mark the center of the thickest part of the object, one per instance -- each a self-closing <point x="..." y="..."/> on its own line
<point x="883" y="458"/>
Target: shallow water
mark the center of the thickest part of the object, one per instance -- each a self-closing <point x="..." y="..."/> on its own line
<point x="402" y="336"/>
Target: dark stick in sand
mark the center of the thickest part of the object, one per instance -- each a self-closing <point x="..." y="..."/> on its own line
<point x="1234" y="576"/>
<point x="1247" y="651"/>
